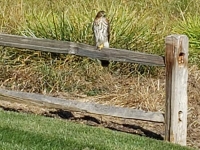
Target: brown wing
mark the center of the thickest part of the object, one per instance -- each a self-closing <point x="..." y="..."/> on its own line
<point x="95" y="30"/>
<point x="108" y="29"/>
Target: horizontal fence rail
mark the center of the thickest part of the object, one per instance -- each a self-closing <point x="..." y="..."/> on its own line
<point x="80" y="49"/>
<point x="73" y="105"/>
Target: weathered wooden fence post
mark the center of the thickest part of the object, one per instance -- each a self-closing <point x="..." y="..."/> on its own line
<point x="176" y="88"/>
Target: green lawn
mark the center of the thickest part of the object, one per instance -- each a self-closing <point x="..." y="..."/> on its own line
<point x="22" y="131"/>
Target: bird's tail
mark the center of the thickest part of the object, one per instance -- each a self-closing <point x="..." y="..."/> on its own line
<point x="106" y="44"/>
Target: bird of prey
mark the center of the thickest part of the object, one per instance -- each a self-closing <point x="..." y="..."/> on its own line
<point x="101" y="30"/>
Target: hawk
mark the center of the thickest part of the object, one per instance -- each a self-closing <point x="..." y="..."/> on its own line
<point x="101" y="30"/>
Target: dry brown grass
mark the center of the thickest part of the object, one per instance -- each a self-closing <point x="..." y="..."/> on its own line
<point x="82" y="78"/>
<point x="194" y="106"/>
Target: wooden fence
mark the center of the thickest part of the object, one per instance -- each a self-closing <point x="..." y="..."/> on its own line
<point x="175" y="61"/>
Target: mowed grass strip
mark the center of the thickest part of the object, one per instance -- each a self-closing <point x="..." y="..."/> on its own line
<point x="28" y="131"/>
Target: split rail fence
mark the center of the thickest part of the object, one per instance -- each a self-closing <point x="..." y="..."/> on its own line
<point x="175" y="62"/>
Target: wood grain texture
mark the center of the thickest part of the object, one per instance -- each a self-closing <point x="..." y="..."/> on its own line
<point x="176" y="89"/>
<point x="72" y="105"/>
<point x="80" y="49"/>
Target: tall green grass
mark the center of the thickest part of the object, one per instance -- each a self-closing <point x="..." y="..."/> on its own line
<point x="135" y="25"/>
<point x="190" y="25"/>
<point x="132" y="27"/>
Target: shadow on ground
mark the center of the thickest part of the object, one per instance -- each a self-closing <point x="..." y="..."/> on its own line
<point x="93" y="121"/>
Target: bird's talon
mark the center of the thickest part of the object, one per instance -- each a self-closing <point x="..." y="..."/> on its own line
<point x="100" y="47"/>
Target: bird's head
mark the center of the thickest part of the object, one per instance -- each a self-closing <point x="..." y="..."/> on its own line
<point x="101" y="14"/>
